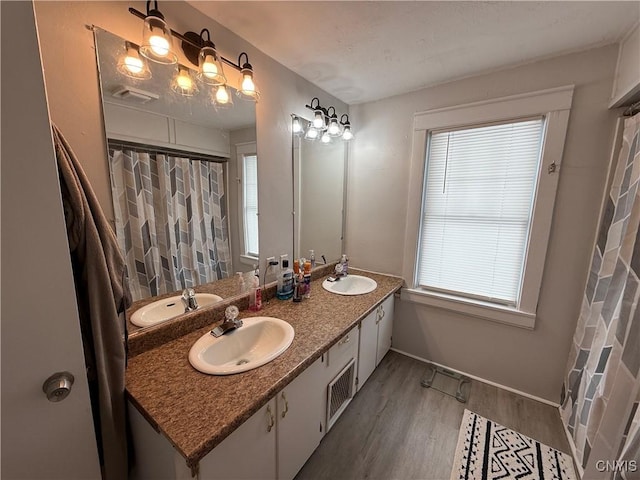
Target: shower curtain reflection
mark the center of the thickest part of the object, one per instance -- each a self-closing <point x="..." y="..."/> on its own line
<point x="171" y="219"/>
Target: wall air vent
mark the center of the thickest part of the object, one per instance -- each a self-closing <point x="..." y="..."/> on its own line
<point x="340" y="393"/>
<point x="134" y="95"/>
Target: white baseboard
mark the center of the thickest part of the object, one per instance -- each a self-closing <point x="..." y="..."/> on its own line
<point x="480" y="379"/>
<point x="572" y="445"/>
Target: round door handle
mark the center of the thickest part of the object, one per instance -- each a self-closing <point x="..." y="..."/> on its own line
<point x="58" y="386"/>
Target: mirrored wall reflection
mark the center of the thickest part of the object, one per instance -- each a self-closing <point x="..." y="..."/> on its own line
<point x="177" y="175"/>
<point x="319" y="196"/>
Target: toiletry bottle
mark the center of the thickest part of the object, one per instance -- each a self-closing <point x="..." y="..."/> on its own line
<point x="344" y="261"/>
<point x="240" y="285"/>
<point x="307" y="279"/>
<point x="285" y="282"/>
<point x="255" y="298"/>
<point x="297" y="284"/>
<point x="312" y="258"/>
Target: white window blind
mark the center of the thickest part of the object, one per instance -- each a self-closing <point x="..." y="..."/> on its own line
<point x="250" y="204"/>
<point x="480" y="184"/>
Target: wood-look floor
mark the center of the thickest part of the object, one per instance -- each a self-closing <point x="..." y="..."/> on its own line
<point x="396" y="429"/>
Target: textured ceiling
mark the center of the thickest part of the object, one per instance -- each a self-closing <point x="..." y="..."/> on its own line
<point x="364" y="51"/>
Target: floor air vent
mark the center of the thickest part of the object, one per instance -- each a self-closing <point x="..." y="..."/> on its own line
<point x="341" y="391"/>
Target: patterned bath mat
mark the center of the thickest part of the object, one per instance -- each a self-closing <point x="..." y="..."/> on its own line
<point x="489" y="451"/>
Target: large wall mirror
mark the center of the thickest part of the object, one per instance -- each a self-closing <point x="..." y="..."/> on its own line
<point x="183" y="176"/>
<point x="319" y="196"/>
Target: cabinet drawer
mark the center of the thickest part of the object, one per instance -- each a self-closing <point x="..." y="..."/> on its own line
<point x="343" y="351"/>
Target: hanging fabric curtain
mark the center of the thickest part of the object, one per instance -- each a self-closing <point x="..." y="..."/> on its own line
<point x="601" y="389"/>
<point x="170" y="220"/>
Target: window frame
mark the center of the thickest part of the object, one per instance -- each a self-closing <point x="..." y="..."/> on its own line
<point x="243" y="150"/>
<point x="554" y="105"/>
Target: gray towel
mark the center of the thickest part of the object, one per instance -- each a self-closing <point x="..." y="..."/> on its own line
<point x="102" y="296"/>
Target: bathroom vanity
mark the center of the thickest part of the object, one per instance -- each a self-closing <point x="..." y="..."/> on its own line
<point x="265" y="422"/>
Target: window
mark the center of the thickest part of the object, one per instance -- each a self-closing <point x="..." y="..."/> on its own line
<point x="248" y="199"/>
<point x="487" y="174"/>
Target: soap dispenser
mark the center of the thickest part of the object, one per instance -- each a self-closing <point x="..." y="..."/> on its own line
<point x="344" y="261"/>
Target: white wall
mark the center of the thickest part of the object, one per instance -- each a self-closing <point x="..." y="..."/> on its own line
<point x="74" y="98"/>
<point x="530" y="361"/>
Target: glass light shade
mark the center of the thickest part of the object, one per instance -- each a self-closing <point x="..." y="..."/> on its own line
<point x="334" y="127"/>
<point x="133" y="65"/>
<point x="326" y="138"/>
<point x="209" y="67"/>
<point x="318" y="119"/>
<point x="157" y="43"/>
<point x="346" y="134"/>
<point x="296" y="126"/>
<point x="183" y="82"/>
<point x="312" y="133"/>
<point x="247" y="88"/>
<point x="222" y="98"/>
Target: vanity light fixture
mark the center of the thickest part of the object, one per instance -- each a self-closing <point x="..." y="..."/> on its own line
<point x="132" y="64"/>
<point x="157" y="44"/>
<point x="325" y="124"/>
<point x="183" y="82"/>
<point x="209" y="65"/>
<point x="346" y="128"/>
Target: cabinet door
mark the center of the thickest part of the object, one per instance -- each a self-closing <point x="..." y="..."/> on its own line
<point x="368" y="347"/>
<point x="385" y="328"/>
<point x="248" y="453"/>
<point x="299" y="420"/>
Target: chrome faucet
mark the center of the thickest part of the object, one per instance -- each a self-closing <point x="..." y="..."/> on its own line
<point x="231" y="322"/>
<point x="189" y="300"/>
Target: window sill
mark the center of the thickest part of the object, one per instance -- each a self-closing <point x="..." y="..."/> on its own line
<point x="247" y="260"/>
<point x="474" y="308"/>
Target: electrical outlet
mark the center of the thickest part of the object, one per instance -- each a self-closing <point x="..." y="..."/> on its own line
<point x="272" y="261"/>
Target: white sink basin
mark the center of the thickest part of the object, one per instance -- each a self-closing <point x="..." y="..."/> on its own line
<point x="258" y="341"/>
<point x="351" y="285"/>
<point x="167" y="308"/>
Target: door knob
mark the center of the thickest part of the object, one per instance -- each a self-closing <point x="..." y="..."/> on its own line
<point x="58" y="386"/>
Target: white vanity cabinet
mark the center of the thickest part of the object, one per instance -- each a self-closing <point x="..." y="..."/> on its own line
<point x="299" y="420"/>
<point x="248" y="453"/>
<point x="375" y="339"/>
<point x="278" y="439"/>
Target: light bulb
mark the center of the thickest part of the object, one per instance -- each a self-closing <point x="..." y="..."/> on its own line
<point x="318" y="119"/>
<point x="334" y="128"/>
<point x="222" y="95"/>
<point x="347" y="135"/>
<point x="184" y="81"/>
<point x="312" y="133"/>
<point x="133" y="64"/>
<point x="209" y="68"/>
<point x="248" y="87"/>
<point x="325" y="138"/>
<point x="159" y="45"/>
<point x="296" y="126"/>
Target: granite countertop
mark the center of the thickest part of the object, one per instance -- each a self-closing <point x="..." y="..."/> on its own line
<point x="196" y="411"/>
